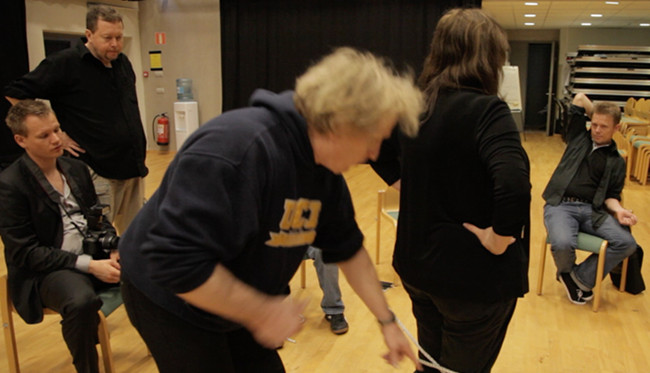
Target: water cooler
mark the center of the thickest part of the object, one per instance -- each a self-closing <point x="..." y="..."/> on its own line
<point x="186" y="111"/>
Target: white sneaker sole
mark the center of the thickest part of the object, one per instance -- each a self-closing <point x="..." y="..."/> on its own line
<point x="568" y="294"/>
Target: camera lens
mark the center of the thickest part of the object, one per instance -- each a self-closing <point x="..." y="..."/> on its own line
<point x="109" y="241"/>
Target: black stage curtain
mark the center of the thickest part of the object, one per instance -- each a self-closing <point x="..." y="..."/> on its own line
<point x="14" y="64"/>
<point x="267" y="44"/>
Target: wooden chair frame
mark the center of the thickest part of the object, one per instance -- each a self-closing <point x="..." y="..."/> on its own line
<point x="584" y="244"/>
<point x="641" y="164"/>
<point x="388" y="207"/>
<point x="7" y="308"/>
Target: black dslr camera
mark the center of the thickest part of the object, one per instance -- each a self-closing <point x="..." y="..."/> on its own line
<point x="98" y="242"/>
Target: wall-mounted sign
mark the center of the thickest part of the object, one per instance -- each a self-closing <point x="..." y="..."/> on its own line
<point x="155" y="60"/>
<point x="161" y="39"/>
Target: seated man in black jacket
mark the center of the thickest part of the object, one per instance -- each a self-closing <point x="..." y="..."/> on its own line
<point x="584" y="189"/>
<point x="48" y="205"/>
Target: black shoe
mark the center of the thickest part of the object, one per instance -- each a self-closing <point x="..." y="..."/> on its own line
<point x="574" y="293"/>
<point x="338" y="325"/>
<point x="587" y="295"/>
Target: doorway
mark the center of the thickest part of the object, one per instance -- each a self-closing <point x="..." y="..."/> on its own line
<point x="538" y="87"/>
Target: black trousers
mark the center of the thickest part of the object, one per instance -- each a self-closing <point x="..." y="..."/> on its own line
<point x="463" y="336"/>
<point x="178" y="346"/>
<point x="73" y="295"/>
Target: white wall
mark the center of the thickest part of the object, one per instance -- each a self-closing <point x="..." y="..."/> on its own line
<point x="69" y="17"/>
<point x="192" y="50"/>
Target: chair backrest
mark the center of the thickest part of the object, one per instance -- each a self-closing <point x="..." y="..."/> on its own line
<point x="629" y="106"/>
<point x="390" y="202"/>
<point x="622" y="143"/>
<point x="641" y="107"/>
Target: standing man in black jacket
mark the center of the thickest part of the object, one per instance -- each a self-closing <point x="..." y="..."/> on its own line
<point x="92" y="89"/>
<point x="585" y="187"/>
<point x="46" y="201"/>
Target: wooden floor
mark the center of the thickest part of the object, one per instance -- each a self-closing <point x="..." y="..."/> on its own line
<point x="547" y="334"/>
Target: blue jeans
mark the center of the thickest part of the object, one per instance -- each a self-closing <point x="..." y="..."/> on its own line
<point x="563" y="223"/>
<point x="328" y="279"/>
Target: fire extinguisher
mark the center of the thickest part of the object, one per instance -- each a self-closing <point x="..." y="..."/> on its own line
<point x="161" y="129"/>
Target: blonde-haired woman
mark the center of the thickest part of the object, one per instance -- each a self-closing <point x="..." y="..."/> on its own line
<point x="206" y="263"/>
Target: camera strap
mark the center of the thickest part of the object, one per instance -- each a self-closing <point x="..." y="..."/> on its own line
<point x="83" y="234"/>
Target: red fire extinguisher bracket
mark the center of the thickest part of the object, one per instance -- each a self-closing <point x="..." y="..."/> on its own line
<point x="160" y="126"/>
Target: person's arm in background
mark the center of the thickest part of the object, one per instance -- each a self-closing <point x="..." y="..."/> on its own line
<point x="584" y="102"/>
<point x="580" y="106"/>
<point x="362" y="277"/>
<point x="43" y="83"/>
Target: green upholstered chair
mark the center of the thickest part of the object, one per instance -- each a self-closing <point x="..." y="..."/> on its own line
<point x="592" y="244"/>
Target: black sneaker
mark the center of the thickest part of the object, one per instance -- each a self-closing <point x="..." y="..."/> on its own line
<point x="574" y="293"/>
<point x="587" y="295"/>
<point x="338" y="325"/>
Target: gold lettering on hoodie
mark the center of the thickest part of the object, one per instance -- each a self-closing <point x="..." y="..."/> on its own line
<point x="298" y="223"/>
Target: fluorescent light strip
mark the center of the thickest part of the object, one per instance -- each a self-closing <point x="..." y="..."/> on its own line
<point x="644" y="24"/>
<point x="585" y="24"/>
<point x="530" y="15"/>
<point x="529" y="24"/>
<point x="596" y="15"/>
<point x="611" y="2"/>
<point x="531" y="4"/>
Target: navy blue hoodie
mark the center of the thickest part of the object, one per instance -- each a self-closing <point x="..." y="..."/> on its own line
<point x="243" y="191"/>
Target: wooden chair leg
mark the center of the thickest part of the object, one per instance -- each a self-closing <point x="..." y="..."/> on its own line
<point x="8" y="326"/>
<point x="380" y="203"/>
<point x="624" y="274"/>
<point x="105" y="344"/>
<point x="542" y="264"/>
<point x="303" y="274"/>
<point x="599" y="276"/>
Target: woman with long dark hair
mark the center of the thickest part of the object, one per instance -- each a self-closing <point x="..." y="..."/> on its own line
<point x="462" y="246"/>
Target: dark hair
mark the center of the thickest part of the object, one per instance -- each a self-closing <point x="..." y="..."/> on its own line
<point x="468" y="50"/>
<point x="21" y="110"/>
<point x="103" y="12"/>
<point x="608" y="108"/>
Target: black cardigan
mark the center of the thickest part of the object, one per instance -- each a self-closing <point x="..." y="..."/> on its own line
<point x="466" y="165"/>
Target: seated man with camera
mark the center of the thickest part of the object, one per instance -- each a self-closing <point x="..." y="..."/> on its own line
<point x="58" y="248"/>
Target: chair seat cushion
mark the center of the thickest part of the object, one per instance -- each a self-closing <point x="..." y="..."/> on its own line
<point x="112" y="298"/>
<point x="588" y="242"/>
